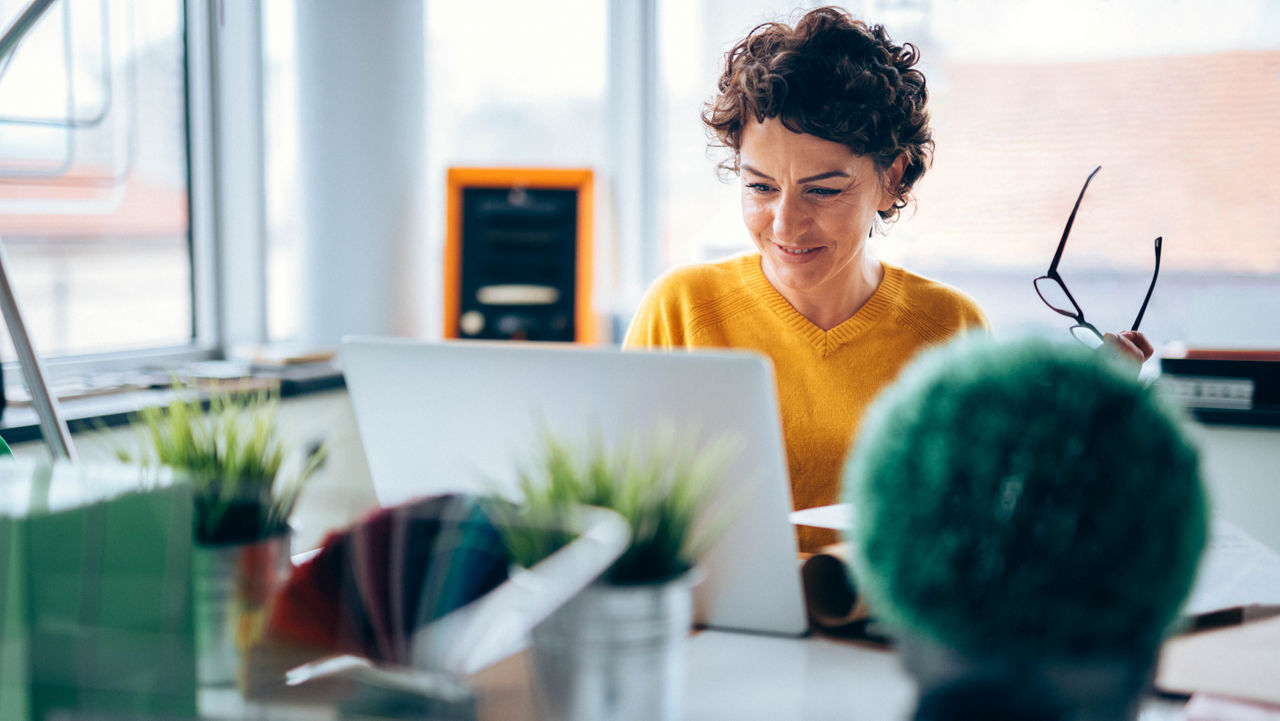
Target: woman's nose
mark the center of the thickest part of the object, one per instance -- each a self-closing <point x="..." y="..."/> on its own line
<point x="789" y="218"/>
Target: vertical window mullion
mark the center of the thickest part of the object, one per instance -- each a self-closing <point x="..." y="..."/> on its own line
<point x="199" y="16"/>
<point x="633" y="147"/>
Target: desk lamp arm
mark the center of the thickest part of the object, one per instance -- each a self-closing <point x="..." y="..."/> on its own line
<point x="52" y="425"/>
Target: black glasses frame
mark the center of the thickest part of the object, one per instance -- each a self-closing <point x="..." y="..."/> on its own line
<point x="1083" y="328"/>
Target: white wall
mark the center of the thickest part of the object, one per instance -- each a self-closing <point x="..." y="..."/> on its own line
<point x="361" y="155"/>
<point x="1242" y="471"/>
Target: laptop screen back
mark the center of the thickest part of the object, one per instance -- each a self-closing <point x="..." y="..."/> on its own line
<point x="440" y="417"/>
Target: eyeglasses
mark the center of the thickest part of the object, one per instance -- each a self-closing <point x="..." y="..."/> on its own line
<point x="1054" y="292"/>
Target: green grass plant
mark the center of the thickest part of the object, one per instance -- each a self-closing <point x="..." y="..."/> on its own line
<point x="660" y="484"/>
<point x="234" y="455"/>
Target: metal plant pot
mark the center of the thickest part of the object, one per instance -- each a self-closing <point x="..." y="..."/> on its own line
<point x="233" y="586"/>
<point x="616" y="653"/>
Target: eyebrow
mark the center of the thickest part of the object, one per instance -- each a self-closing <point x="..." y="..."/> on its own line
<point x="810" y="179"/>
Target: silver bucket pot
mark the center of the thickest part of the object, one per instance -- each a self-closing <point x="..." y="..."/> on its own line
<point x="616" y="653"/>
<point x="233" y="587"/>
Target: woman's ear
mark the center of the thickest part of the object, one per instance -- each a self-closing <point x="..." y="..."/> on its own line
<point x="892" y="180"/>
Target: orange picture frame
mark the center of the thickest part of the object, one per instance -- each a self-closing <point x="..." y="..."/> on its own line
<point x="581" y="180"/>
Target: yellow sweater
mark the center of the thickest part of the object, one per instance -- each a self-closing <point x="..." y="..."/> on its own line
<point x="826" y="379"/>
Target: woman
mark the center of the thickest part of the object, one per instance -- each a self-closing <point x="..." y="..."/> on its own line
<point x="827" y="127"/>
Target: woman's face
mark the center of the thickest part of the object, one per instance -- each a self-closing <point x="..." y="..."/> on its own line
<point x="809" y="205"/>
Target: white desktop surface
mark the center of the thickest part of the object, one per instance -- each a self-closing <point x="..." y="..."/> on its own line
<point x="730" y="676"/>
<point x="740" y="676"/>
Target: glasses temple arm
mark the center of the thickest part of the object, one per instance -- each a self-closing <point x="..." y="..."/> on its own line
<point x="1156" y="274"/>
<point x="1071" y="219"/>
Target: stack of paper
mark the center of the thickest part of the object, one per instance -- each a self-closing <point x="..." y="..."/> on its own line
<point x="1237" y="572"/>
<point x="1241" y="662"/>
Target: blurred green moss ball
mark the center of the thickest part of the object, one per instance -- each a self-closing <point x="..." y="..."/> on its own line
<point x="1026" y="497"/>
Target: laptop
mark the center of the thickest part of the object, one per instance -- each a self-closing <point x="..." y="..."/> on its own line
<point x="464" y="416"/>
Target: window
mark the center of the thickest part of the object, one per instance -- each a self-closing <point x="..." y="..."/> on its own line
<point x="1176" y="101"/>
<point x="701" y="218"/>
<point x="516" y="83"/>
<point x="508" y="83"/>
<point x="94" y="177"/>
<point x="512" y="83"/>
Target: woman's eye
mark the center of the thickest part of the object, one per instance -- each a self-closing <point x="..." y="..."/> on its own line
<point x="825" y="191"/>
<point x="758" y="187"/>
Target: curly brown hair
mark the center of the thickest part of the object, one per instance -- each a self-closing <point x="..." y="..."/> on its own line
<point x="834" y="77"/>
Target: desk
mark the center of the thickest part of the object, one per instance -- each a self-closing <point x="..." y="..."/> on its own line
<point x="745" y="676"/>
<point x="740" y="677"/>
<point x="731" y="677"/>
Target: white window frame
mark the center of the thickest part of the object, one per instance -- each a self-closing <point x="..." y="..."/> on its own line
<point x="634" y="120"/>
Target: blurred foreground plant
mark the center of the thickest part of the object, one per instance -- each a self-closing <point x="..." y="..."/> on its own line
<point x="661" y="485"/>
<point x="234" y="456"/>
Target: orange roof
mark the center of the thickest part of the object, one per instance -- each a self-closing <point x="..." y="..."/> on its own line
<point x="1189" y="148"/>
<point x="133" y="208"/>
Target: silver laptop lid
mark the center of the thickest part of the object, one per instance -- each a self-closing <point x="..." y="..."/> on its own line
<point x="440" y="417"/>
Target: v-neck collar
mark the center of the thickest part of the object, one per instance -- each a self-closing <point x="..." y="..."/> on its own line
<point x="884" y="297"/>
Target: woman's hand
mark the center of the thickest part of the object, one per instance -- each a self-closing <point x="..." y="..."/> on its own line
<point x="1130" y="344"/>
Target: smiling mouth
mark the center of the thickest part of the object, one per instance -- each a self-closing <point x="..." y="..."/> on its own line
<point x="797" y="251"/>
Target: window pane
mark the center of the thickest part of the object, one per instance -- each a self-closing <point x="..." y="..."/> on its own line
<point x="1176" y="101"/>
<point x="1177" y="122"/>
<point x="511" y="83"/>
<point x="508" y="83"/>
<point x="700" y="215"/>
<point x="515" y="83"/>
<point x="93" y="177"/>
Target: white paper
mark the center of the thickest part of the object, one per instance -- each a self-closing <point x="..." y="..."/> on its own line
<point x="838" y="517"/>
<point x="1237" y="571"/>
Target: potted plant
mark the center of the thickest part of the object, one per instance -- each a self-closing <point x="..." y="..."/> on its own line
<point x="617" y="649"/>
<point x="244" y="493"/>
<point x="1028" y="518"/>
